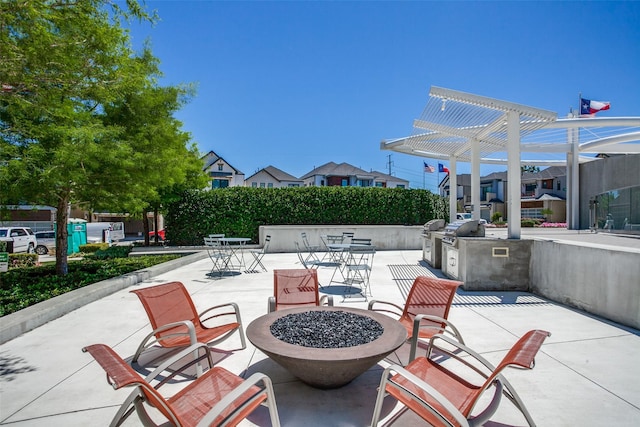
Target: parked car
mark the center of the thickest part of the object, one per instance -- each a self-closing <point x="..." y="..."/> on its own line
<point x="19" y="239"/>
<point x="46" y="242"/>
<point x="465" y="216"/>
<point x="152" y="235"/>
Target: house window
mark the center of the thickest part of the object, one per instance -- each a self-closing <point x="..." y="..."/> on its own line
<point x="262" y="185"/>
<point x="254" y="184"/>
<point x="344" y="183"/>
<point x="400" y="186"/>
<point x="220" y="166"/>
<point x="219" y="183"/>
<point x="270" y="185"/>
<point x="379" y="184"/>
<point x="558" y="185"/>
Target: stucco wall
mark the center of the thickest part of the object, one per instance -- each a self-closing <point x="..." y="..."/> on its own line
<point x="604" y="282"/>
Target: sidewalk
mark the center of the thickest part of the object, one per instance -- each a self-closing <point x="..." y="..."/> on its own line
<point x="586" y="373"/>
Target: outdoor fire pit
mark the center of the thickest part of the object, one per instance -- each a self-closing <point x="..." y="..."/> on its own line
<point x="326" y="347"/>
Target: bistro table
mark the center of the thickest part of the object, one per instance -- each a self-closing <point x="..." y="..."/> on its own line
<point x="340" y="255"/>
<point x="235" y="246"/>
<point x="326" y="367"/>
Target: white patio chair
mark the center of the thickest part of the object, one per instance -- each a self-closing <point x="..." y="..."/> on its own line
<point x="219" y="255"/>
<point x="258" y="254"/>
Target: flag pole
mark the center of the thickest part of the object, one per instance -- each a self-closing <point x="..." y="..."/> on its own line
<point x="579" y="104"/>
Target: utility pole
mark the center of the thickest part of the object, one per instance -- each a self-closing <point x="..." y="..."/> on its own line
<point x="389" y="163"/>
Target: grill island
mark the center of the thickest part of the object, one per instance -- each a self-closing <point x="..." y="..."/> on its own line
<point x="452" y="232"/>
<point x="432" y="242"/>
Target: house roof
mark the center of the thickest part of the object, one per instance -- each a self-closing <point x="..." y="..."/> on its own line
<point x="211" y="157"/>
<point x="334" y="169"/>
<point x="380" y="176"/>
<point x="277" y="174"/>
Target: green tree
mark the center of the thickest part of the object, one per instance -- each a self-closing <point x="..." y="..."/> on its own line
<point x="529" y="168"/>
<point x="62" y="65"/>
<point x="166" y="162"/>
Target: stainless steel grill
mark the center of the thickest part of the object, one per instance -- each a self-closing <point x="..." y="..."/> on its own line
<point x="462" y="228"/>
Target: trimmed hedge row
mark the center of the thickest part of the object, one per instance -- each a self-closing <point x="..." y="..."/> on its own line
<point x="240" y="211"/>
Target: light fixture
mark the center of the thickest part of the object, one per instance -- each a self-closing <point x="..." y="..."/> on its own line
<point x="444" y="103"/>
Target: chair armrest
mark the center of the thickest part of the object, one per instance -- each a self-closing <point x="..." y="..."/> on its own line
<point x="435" y="394"/>
<point x="397" y="313"/>
<point x="449" y="327"/>
<point x="175" y="358"/>
<point x="459" y="347"/>
<point x="233" y="305"/>
<point x="191" y="331"/>
<point x="228" y="399"/>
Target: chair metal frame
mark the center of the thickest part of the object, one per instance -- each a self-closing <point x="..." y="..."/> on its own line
<point x="219" y="254"/>
<point x="301" y="284"/>
<point x="218" y="397"/>
<point x="358" y="267"/>
<point x="311" y="249"/>
<point x="176" y="323"/>
<point x="306" y="261"/>
<point x="258" y="254"/>
<point x="446" y="394"/>
<point x="426" y="310"/>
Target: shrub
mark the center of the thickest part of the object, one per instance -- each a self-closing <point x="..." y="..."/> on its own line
<point x="22" y="287"/>
<point x="22" y="260"/>
<point x="496" y="216"/>
<point x="3" y="246"/>
<point x="111" y="252"/>
<point x="90" y="248"/>
<point x="528" y="222"/>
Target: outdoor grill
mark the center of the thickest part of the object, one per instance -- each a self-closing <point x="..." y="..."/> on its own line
<point x="432" y="242"/>
<point x="450" y="255"/>
<point x="462" y="228"/>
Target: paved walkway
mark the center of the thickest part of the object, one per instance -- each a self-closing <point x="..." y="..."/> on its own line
<point x="586" y="373"/>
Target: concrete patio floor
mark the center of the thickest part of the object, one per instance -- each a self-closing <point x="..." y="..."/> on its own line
<point x="586" y="374"/>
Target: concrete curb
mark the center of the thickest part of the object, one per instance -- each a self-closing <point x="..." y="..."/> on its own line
<point x="15" y="324"/>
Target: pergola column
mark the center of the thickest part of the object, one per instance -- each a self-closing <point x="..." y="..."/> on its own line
<point x="453" y="189"/>
<point x="514" y="177"/>
<point x="475" y="178"/>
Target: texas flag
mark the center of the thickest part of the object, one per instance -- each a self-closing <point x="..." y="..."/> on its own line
<point x="442" y="168"/>
<point x="588" y="106"/>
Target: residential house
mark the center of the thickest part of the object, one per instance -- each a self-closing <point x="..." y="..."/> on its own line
<point x="543" y="194"/>
<point x="220" y="172"/>
<point x="272" y="177"/>
<point x="346" y="175"/>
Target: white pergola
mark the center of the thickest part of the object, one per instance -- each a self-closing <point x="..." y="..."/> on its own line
<point x="458" y="126"/>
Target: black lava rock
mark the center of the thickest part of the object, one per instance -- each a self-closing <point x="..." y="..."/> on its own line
<point x="326" y="329"/>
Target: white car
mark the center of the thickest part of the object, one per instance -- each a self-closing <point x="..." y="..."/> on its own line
<point x="46" y="242"/>
<point x="19" y="239"/>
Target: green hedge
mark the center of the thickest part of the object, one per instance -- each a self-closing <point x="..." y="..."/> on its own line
<point x="240" y="211"/>
<point x="22" y="287"/>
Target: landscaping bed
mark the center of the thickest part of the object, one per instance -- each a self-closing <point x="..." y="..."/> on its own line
<point x="23" y="287"/>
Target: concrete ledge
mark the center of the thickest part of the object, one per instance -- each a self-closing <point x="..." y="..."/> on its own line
<point x="15" y="324"/>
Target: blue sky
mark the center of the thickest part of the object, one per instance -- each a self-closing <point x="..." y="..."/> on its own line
<point x="296" y="84"/>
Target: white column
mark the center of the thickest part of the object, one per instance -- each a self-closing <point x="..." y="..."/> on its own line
<point x="514" y="214"/>
<point x="475" y="179"/>
<point x="574" y="189"/>
<point x="453" y="189"/>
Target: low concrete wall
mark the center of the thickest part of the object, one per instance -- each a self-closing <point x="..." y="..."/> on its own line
<point x="601" y="281"/>
<point x="383" y="237"/>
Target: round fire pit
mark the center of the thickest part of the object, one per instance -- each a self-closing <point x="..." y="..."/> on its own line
<point x="355" y="340"/>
